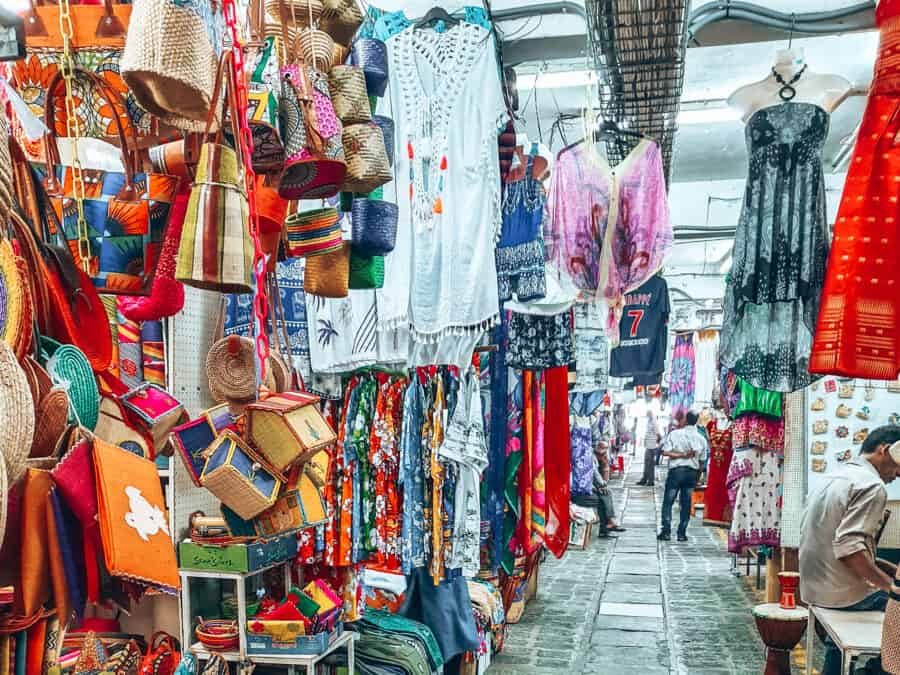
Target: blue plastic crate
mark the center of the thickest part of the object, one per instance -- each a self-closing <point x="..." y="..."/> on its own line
<point x="303" y="645"/>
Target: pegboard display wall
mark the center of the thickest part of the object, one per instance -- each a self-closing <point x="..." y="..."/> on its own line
<point x="797" y="462"/>
<point x="191" y="334"/>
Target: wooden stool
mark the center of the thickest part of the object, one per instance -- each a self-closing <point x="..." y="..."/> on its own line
<point x="781" y="630"/>
<point x="697" y="497"/>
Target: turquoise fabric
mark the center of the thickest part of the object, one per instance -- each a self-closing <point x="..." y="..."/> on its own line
<point x="383" y="25"/>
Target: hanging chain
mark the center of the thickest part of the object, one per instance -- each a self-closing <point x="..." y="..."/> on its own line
<point x="245" y="138"/>
<point x="73" y="131"/>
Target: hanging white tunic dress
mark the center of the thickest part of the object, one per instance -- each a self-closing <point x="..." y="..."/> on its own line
<point x="446" y="101"/>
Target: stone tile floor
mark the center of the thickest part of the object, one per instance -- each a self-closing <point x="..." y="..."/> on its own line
<point x="629" y="606"/>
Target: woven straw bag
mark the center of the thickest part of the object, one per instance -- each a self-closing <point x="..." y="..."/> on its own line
<point x="15" y="304"/>
<point x="51" y="418"/>
<point x="314" y="156"/>
<point x="70" y="368"/>
<point x="313" y="233"/>
<point x="328" y="276"/>
<point x="374" y="226"/>
<point x="215" y="252"/>
<point x="341" y="19"/>
<point x="231" y="369"/>
<point x="365" y="272"/>
<point x="316" y="48"/>
<point x="386" y="124"/>
<point x="367" y="163"/>
<point x="169" y="61"/>
<point x="295" y="12"/>
<point x="890" y="636"/>
<point x="370" y="54"/>
<point x="16" y="415"/>
<point x="348" y="93"/>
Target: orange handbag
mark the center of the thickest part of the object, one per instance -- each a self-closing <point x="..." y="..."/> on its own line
<point x="134" y="526"/>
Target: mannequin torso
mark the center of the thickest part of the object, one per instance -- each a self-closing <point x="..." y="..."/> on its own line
<point x="825" y="91"/>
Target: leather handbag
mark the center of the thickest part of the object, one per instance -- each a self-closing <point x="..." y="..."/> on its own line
<point x="216" y="252"/>
<point x="134" y="526"/>
<point x="126" y="214"/>
<point x="33" y="588"/>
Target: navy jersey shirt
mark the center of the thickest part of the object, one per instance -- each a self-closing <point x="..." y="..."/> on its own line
<point x="643" y="331"/>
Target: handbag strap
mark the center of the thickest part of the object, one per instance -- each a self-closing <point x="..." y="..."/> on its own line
<point x="129" y="156"/>
<point x="225" y="88"/>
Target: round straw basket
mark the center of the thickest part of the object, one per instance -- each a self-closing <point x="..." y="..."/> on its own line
<point x="12" y="298"/>
<point x="50" y="422"/>
<point x="218" y="634"/>
<point x="231" y="369"/>
<point x="316" y="48"/>
<point x="16" y="415"/>
<point x="69" y="368"/>
<point x="348" y="94"/>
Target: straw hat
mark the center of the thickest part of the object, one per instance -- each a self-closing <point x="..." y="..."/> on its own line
<point x="16" y="414"/>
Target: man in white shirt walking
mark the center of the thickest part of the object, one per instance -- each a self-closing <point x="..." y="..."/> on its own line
<point x="686" y="449"/>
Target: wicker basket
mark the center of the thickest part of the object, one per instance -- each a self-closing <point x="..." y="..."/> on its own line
<point x="295" y="12"/>
<point x="51" y="418"/>
<point x="313" y="233"/>
<point x="341" y="54"/>
<point x="231" y="369"/>
<point x="316" y="48"/>
<point x="370" y="54"/>
<point x="238" y="477"/>
<point x="341" y="18"/>
<point x="348" y="94"/>
<point x="328" y="276"/>
<point x="288" y="428"/>
<point x="367" y="162"/>
<point x="386" y="124"/>
<point x="374" y="227"/>
<point x="218" y="634"/>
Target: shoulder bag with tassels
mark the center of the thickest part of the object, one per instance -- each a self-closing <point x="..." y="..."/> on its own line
<point x="162" y="655"/>
<point x="216" y="252"/>
<point x="124" y="214"/>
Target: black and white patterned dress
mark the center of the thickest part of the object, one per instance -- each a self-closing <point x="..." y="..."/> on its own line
<point x="780" y="250"/>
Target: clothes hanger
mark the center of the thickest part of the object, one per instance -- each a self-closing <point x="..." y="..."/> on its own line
<point x="436" y="13"/>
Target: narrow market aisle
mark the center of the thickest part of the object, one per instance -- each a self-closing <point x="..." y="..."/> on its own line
<point x="630" y="606"/>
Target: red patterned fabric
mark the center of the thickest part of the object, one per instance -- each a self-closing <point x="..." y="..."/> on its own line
<point x="857" y="333"/>
<point x="761" y="431"/>
<point x="716" y="506"/>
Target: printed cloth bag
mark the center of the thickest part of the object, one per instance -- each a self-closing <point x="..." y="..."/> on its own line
<point x="99" y="32"/>
<point x="126" y="213"/>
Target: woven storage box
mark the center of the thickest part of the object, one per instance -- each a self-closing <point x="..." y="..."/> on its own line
<point x="288" y="428"/>
<point x="235" y="475"/>
<point x="317" y="467"/>
<point x="194" y="437"/>
<point x="296" y="509"/>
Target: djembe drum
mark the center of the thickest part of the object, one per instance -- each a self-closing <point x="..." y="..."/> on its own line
<point x="780" y="629"/>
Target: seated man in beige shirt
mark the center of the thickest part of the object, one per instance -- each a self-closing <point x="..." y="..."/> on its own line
<point x="837" y="535"/>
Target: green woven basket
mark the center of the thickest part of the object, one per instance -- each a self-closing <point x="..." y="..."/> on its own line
<point x="69" y="367"/>
<point x="366" y="272"/>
